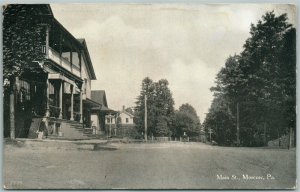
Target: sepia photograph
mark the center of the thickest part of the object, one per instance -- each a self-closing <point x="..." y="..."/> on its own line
<point x="149" y="96"/>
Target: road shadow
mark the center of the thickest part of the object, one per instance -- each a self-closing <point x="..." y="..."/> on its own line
<point x="101" y="147"/>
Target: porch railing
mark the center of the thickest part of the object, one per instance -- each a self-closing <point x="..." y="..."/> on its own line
<point x="54" y="56"/>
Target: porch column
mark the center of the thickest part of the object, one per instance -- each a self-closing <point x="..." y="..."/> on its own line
<point x="60" y="99"/>
<point x="72" y="103"/>
<point x="81" y="114"/>
<point x="47" y="42"/>
<point x="47" y="96"/>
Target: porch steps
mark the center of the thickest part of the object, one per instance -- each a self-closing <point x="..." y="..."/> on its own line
<point x="34" y="127"/>
<point x="75" y="130"/>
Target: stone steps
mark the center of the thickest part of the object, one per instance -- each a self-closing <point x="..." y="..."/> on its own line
<point x="74" y="130"/>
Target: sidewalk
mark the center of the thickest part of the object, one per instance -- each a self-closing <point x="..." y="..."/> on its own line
<point x="52" y="144"/>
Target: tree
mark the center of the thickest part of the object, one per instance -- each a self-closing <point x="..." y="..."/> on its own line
<point x="263" y="65"/>
<point x="162" y="129"/>
<point x="148" y="89"/>
<point x="24" y="37"/>
<point x="23" y="40"/>
<point x="160" y="107"/>
<point x="129" y="110"/>
<point x="261" y="80"/>
<point x="221" y="122"/>
<point x="186" y="120"/>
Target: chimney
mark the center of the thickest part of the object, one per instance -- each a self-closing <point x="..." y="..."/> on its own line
<point x="123" y="107"/>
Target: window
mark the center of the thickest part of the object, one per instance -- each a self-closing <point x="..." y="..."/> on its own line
<point x="108" y="120"/>
<point x="127" y="120"/>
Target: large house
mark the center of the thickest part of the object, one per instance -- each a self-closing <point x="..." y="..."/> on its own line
<point x="58" y="102"/>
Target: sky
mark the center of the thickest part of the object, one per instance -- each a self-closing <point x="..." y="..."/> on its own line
<point x="187" y="44"/>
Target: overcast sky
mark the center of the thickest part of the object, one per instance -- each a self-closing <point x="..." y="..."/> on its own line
<point x="187" y="44"/>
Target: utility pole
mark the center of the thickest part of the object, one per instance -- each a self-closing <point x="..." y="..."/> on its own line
<point x="237" y="124"/>
<point x="146" y="118"/>
<point x="210" y="132"/>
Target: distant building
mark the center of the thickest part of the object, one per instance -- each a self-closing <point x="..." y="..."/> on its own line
<point x="125" y="123"/>
<point x="103" y="118"/>
<point x="125" y="118"/>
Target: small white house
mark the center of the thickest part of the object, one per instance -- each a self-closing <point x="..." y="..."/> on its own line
<point x="125" y="118"/>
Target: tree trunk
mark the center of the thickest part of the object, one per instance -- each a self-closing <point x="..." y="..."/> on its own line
<point x="12" y="101"/>
<point x="265" y="134"/>
<point x="12" y="112"/>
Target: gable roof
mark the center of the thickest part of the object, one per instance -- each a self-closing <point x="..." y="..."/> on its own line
<point x="99" y="96"/>
<point x="125" y="112"/>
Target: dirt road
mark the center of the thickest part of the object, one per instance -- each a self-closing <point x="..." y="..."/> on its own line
<point x="149" y="166"/>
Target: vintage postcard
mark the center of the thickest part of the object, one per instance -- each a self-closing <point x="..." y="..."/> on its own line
<point x="149" y="96"/>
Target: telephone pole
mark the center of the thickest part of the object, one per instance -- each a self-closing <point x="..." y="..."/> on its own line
<point x="146" y="136"/>
<point x="210" y="132"/>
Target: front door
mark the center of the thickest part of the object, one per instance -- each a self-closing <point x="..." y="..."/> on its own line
<point x="67" y="106"/>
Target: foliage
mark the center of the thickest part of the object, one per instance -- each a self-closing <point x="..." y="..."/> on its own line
<point x="221" y="122"/>
<point x="162" y="128"/>
<point x="23" y="40"/>
<point x="160" y="107"/>
<point x="261" y="79"/>
<point x="186" y="120"/>
<point x="129" y="110"/>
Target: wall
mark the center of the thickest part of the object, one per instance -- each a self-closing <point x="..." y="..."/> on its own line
<point x="75" y="59"/>
<point x="87" y="81"/>
<point x="123" y="117"/>
<point x="95" y="121"/>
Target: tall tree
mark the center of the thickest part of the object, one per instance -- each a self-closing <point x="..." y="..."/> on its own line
<point x="186" y="120"/>
<point x="23" y="42"/>
<point x="220" y="122"/>
<point x="160" y="107"/>
<point x="261" y="81"/>
<point x="147" y="89"/>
